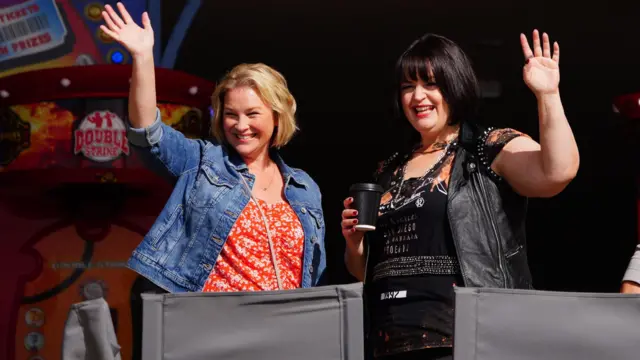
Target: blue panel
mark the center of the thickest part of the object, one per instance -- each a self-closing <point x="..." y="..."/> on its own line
<point x="135" y="9"/>
<point x="179" y="32"/>
<point x="155" y="14"/>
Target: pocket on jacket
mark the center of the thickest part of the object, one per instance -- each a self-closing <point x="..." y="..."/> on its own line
<point x="162" y="229"/>
<point x="208" y="188"/>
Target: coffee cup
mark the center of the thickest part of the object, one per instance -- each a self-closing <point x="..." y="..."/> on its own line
<point x="366" y="200"/>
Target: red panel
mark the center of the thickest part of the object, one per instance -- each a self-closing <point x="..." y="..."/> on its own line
<point x="628" y="105"/>
<point x="100" y="81"/>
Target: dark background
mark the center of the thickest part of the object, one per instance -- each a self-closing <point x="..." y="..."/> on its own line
<point x="338" y="58"/>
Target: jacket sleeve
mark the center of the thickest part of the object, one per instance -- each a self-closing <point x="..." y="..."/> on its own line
<point x="633" y="270"/>
<point x="165" y="149"/>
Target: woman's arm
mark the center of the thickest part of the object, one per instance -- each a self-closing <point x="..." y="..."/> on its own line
<point x="630" y="287"/>
<point x="354" y="257"/>
<point x="168" y="148"/>
<point x="142" y="91"/>
<point x="631" y="279"/>
<point x="139" y="42"/>
<point x="355" y="261"/>
<point x="545" y="169"/>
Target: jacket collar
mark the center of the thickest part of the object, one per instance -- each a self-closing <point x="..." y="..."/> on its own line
<point x="468" y="136"/>
<point x="288" y="173"/>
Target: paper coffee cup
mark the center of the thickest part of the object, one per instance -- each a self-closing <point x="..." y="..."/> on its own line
<point x="366" y="200"/>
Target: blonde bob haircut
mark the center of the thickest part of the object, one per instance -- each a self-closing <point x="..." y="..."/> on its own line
<point x="272" y="88"/>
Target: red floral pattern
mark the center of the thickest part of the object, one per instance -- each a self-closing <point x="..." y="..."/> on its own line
<point x="245" y="262"/>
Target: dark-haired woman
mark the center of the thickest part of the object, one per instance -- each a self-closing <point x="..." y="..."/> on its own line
<point x="453" y="210"/>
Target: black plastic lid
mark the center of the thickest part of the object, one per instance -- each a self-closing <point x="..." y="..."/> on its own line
<point x="366" y="187"/>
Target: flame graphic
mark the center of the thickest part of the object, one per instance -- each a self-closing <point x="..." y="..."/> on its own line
<point x="172" y="113"/>
<point x="50" y="135"/>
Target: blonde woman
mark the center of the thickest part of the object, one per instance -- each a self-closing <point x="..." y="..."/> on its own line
<point x="239" y="218"/>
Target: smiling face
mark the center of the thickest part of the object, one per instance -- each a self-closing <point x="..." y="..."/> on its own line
<point x="437" y="88"/>
<point x="248" y="122"/>
<point x="424" y="106"/>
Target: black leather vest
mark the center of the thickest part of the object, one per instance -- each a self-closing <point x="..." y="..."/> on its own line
<point x="486" y="216"/>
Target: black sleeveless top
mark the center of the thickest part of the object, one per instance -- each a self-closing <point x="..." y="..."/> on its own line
<point x="413" y="259"/>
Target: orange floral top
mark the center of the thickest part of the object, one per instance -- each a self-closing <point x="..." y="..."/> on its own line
<point x="245" y="262"/>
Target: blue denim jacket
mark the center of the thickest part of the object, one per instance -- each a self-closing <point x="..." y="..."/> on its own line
<point x="183" y="244"/>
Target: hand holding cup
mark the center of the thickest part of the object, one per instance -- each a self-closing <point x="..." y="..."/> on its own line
<point x="360" y="213"/>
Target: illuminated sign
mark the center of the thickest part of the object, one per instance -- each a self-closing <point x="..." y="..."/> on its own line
<point x="101" y="136"/>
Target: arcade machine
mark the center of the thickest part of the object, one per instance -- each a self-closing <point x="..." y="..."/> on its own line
<point x="75" y="199"/>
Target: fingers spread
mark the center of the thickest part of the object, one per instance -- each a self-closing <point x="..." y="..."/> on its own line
<point x="112" y="34"/>
<point x="537" y="49"/>
<point x="556" y="52"/>
<point x="114" y="16"/>
<point x="107" y="19"/>
<point x="125" y="14"/>
<point x="546" y="48"/>
<point x="526" y="50"/>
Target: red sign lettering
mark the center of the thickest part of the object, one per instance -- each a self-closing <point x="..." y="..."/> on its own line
<point x="19" y="13"/>
<point x="31" y="42"/>
<point x="101" y="136"/>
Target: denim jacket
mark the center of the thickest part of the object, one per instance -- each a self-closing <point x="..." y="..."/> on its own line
<point x="181" y="248"/>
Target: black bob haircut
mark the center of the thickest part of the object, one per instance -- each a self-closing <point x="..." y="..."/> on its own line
<point x="435" y="58"/>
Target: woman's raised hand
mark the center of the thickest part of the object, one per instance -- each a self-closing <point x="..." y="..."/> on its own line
<point x="137" y="40"/>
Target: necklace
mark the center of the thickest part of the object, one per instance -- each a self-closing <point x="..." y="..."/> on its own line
<point x="398" y="197"/>
<point x="273" y="173"/>
<point x="433" y="147"/>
